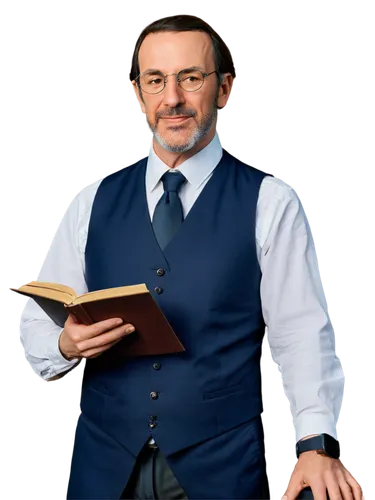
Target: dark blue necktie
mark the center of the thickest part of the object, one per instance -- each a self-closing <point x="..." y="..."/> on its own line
<point x="168" y="214"/>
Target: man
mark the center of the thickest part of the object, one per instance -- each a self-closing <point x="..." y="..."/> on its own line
<point x="225" y="249"/>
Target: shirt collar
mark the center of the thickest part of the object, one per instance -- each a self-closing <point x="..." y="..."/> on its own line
<point x="196" y="169"/>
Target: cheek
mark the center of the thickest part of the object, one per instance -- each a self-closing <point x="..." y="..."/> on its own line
<point x="202" y="105"/>
<point x="150" y="108"/>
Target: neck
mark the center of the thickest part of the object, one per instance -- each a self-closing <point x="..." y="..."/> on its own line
<point x="173" y="160"/>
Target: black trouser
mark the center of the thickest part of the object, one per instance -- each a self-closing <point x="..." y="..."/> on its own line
<point x="152" y="478"/>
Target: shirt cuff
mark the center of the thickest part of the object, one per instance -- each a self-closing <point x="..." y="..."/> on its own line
<point x="315" y="424"/>
<point x="59" y="363"/>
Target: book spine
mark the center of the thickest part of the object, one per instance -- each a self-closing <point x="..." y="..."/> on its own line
<point x="81" y="313"/>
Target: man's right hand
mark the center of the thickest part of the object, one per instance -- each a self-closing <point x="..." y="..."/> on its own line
<point x="89" y="341"/>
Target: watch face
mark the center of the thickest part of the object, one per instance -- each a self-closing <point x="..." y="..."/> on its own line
<point x="331" y="446"/>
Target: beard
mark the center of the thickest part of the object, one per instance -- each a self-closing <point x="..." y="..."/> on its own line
<point x="200" y="131"/>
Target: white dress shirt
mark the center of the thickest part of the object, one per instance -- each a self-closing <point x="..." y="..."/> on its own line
<point x="294" y="307"/>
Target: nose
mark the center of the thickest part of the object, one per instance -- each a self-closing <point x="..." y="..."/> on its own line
<point x="173" y="94"/>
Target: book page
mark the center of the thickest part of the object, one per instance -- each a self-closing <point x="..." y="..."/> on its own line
<point x="47" y="293"/>
<point x="111" y="292"/>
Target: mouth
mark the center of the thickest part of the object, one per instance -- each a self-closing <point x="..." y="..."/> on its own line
<point x="176" y="119"/>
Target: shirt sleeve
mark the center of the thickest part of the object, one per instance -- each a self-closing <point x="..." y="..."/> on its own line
<point x="300" y="331"/>
<point x="63" y="264"/>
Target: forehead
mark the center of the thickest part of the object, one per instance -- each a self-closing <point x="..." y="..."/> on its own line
<point x="171" y="51"/>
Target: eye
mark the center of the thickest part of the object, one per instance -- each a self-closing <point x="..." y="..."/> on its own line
<point x="189" y="78"/>
<point x="155" y="81"/>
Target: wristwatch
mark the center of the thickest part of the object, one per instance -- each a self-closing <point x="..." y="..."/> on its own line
<point x="324" y="444"/>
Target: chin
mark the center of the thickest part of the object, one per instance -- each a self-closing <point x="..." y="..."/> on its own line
<point x="174" y="144"/>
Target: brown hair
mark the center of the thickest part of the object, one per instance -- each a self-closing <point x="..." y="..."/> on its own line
<point x="222" y="55"/>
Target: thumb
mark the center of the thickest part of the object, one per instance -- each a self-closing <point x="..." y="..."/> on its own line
<point x="72" y="319"/>
<point x="293" y="490"/>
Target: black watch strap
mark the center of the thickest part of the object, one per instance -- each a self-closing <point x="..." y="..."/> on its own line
<point x="324" y="442"/>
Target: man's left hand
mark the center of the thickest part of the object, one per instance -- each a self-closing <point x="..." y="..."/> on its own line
<point x="322" y="472"/>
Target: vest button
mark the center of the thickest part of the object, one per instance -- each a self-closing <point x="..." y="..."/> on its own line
<point x="154" y="395"/>
<point x="156" y="366"/>
<point x="152" y="418"/>
<point x="160" y="272"/>
<point x="158" y="290"/>
<point x="152" y="425"/>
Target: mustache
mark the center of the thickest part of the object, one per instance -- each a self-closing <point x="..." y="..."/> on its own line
<point x="176" y="112"/>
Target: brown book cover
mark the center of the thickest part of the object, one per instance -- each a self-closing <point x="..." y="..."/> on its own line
<point x="134" y="304"/>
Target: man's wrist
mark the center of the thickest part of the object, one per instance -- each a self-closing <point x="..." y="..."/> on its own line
<point x="309" y="436"/>
<point x="321" y="443"/>
<point x="61" y="351"/>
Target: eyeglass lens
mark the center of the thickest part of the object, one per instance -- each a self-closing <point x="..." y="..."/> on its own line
<point x="189" y="80"/>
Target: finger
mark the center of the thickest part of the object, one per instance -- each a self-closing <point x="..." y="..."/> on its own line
<point x="356" y="489"/>
<point x="335" y="491"/>
<point x="84" y="332"/>
<point x="291" y="494"/>
<point x="295" y="486"/>
<point x="94" y="353"/>
<point x="72" y="319"/>
<point x="319" y="490"/>
<point x="91" y="331"/>
<point x="105" y="338"/>
<point x="101" y="327"/>
<point x="346" y="490"/>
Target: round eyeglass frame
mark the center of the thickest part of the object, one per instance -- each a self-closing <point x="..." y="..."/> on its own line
<point x="204" y="75"/>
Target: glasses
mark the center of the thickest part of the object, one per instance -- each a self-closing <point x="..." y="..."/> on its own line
<point x="154" y="82"/>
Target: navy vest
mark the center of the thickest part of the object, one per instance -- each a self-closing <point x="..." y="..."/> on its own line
<point x="207" y="283"/>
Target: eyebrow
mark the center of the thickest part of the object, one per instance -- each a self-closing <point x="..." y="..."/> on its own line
<point x="151" y="71"/>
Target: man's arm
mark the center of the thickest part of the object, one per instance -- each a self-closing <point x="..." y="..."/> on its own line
<point x="294" y="307"/>
<point x="64" y="264"/>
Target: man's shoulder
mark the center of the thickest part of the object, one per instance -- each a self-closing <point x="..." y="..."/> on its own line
<point x="263" y="174"/>
<point x="271" y="186"/>
<point x="276" y="193"/>
<point x="277" y="184"/>
<point x="81" y="204"/>
<point x="88" y="193"/>
<point x="114" y="176"/>
<point x="246" y="166"/>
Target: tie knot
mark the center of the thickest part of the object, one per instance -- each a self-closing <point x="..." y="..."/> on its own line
<point x="173" y="180"/>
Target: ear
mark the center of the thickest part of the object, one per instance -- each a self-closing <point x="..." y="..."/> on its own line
<point x="224" y="90"/>
<point x="139" y="96"/>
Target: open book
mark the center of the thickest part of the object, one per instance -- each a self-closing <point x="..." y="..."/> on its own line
<point x="134" y="304"/>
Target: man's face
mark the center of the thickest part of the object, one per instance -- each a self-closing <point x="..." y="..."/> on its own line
<point x="179" y="119"/>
